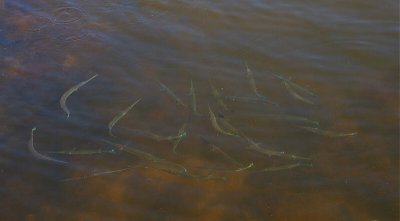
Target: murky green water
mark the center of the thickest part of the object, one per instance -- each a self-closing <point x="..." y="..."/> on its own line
<point x="345" y="52"/>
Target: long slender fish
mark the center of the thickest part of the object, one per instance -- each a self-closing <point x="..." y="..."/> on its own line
<point x="65" y="96"/>
<point x="192" y="93"/>
<point x="284" y="167"/>
<point x="181" y="132"/>
<point x="170" y="167"/>
<point x="136" y="152"/>
<point x="81" y="152"/>
<point x="230" y="127"/>
<point x="37" y="154"/>
<point x="295" y="94"/>
<point x="168" y="138"/>
<point x="293" y="118"/>
<point x="154" y="160"/>
<point x="119" y="116"/>
<point x="154" y="136"/>
<point x="328" y="133"/>
<point x="215" y="124"/>
<point x="171" y="93"/>
<point x="241" y="166"/>
<point x="252" y="81"/>
<point x="217" y="96"/>
<point x="100" y="174"/>
<point x="185" y="173"/>
<point x="179" y="170"/>
<point x="294" y="85"/>
<point x="256" y="146"/>
<point x="250" y="99"/>
<point x="217" y="149"/>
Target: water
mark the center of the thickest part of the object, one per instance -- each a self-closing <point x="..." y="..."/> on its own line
<point x="345" y="52"/>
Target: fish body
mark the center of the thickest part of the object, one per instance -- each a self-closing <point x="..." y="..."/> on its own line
<point x="215" y="124"/>
<point x="168" y="138"/>
<point x="119" y="116"/>
<point x="183" y="173"/>
<point x="294" y="85"/>
<point x="229" y="126"/>
<point x="217" y="149"/>
<point x="217" y="96"/>
<point x="192" y="93"/>
<point x="66" y="94"/>
<point x="141" y="154"/>
<point x="245" y="167"/>
<point x="250" y="99"/>
<point x="154" y="136"/>
<point x="38" y="155"/>
<point x="328" y="133"/>
<point x="170" y="167"/>
<point x="284" y="167"/>
<point x="252" y="81"/>
<point x="171" y="93"/>
<point x="81" y="152"/>
<point x="294" y="88"/>
<point x="181" y="133"/>
<point x="293" y="118"/>
<point x="256" y="146"/>
<point x="155" y="161"/>
<point x="100" y="173"/>
<point x="295" y="94"/>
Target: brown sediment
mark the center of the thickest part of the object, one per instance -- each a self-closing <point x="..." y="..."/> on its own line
<point x="69" y="61"/>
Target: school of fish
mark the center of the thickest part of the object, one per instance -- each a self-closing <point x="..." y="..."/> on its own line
<point x="217" y="121"/>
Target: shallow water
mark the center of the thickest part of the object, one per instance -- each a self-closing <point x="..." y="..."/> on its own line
<point x="345" y="52"/>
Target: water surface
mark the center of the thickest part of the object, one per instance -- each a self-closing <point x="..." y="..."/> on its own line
<point x="345" y="52"/>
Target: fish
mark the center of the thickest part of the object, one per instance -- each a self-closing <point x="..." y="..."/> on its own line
<point x="215" y="124"/>
<point x="179" y="170"/>
<point x="154" y="136"/>
<point x="241" y="167"/>
<point x="39" y="155"/>
<point x="131" y="150"/>
<point x="284" y="167"/>
<point x="171" y="93"/>
<point x="230" y="127"/>
<point x="217" y="149"/>
<point x="66" y="94"/>
<point x="208" y="177"/>
<point x="100" y="174"/>
<point x="119" y="116"/>
<point x="81" y="152"/>
<point x="172" y="168"/>
<point x="328" y="133"/>
<point x="217" y="96"/>
<point x="245" y="167"/>
<point x="192" y="93"/>
<point x="294" y="88"/>
<point x="293" y="118"/>
<point x="256" y="146"/>
<point x="294" y="85"/>
<point x="252" y="81"/>
<point x="250" y="99"/>
<point x="295" y="94"/>
<point x="183" y="172"/>
<point x="177" y="141"/>
<point x="154" y="160"/>
<point x="168" y="138"/>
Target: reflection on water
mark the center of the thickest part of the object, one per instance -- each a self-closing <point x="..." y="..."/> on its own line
<point x="249" y="110"/>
